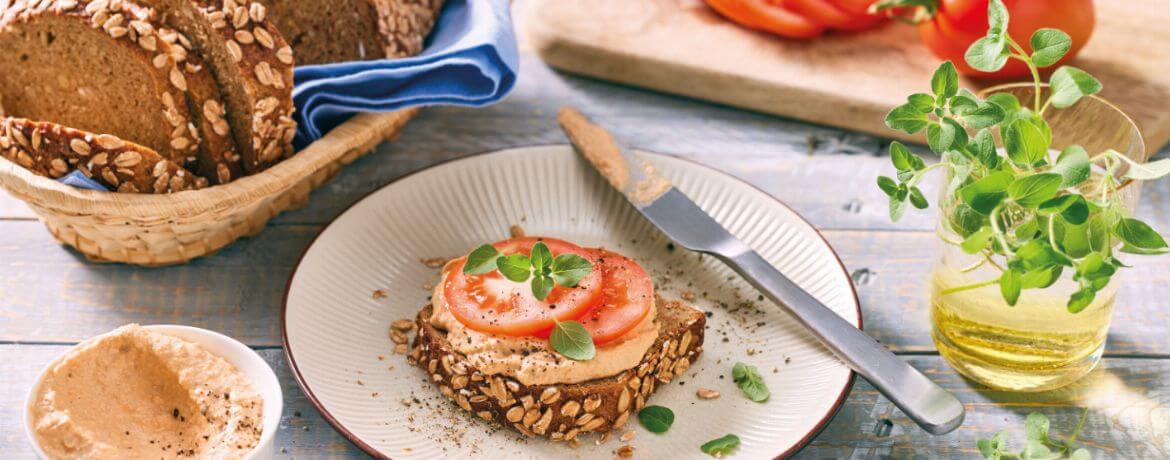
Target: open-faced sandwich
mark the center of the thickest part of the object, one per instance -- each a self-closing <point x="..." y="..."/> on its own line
<point x="552" y="339"/>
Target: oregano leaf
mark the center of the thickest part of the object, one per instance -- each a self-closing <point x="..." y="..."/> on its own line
<point x="907" y="118"/>
<point x="1010" y="285"/>
<point x="481" y="260"/>
<point x="657" y="419"/>
<point x="1034" y="190"/>
<point x="541" y="286"/>
<point x="541" y="258"/>
<point x="1069" y="84"/>
<point x="720" y="447"/>
<point x="1048" y="46"/>
<point x="1073" y="166"/>
<point x="572" y="340"/>
<point x="568" y="269"/>
<point x="945" y="82"/>
<point x="988" y="54"/>
<point x="749" y="380"/>
<point x="516" y="267"/>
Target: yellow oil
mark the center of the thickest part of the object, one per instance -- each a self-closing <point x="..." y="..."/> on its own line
<point x="1036" y="345"/>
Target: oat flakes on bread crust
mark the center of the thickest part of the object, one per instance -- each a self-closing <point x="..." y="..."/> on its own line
<point x="52" y="150"/>
<point x="563" y="412"/>
<point x="95" y="65"/>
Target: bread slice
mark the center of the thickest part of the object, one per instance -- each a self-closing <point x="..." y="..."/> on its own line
<point x="218" y="160"/>
<point x="325" y="31"/>
<point x="562" y="412"/>
<point x="53" y="150"/>
<point x="252" y="64"/>
<point x="97" y="66"/>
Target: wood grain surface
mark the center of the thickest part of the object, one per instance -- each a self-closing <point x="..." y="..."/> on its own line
<point x="847" y="80"/>
<point x="51" y="298"/>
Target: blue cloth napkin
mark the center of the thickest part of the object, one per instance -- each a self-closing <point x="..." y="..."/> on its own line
<point x="470" y="60"/>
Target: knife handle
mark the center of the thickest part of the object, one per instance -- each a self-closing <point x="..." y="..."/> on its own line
<point x="931" y="407"/>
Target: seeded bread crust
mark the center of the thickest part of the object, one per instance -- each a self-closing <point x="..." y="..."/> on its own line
<point x="265" y="63"/>
<point x="133" y="30"/>
<point x="218" y="160"/>
<point x="52" y="150"/>
<point x="562" y="412"/>
<point x="323" y="32"/>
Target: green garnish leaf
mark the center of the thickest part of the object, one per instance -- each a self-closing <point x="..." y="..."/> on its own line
<point x="1038" y="443"/>
<point x="1139" y="238"/>
<point x="897" y="206"/>
<point x="1069" y="84"/>
<point x="568" y="269"/>
<point x="1036" y="426"/>
<point x="657" y="419"/>
<point x="1032" y="191"/>
<point x="988" y="54"/>
<point x="917" y="199"/>
<point x="983" y="148"/>
<point x="1025" y="143"/>
<point x="907" y="118"/>
<point x="541" y="286"/>
<point x="904" y="160"/>
<point x="749" y="380"/>
<point x="921" y="101"/>
<point x="945" y="82"/>
<point x="541" y="258"/>
<point x="481" y="260"/>
<point x="1006" y="101"/>
<point x="888" y="186"/>
<point x="946" y="135"/>
<point x="1010" y="285"/>
<point x="986" y="193"/>
<point x="721" y="446"/>
<point x="1081" y="299"/>
<point x="997" y="18"/>
<point x="1041" y="278"/>
<point x="571" y="340"/>
<point x="1073" y="165"/>
<point x="516" y="267"/>
<point x="983" y="116"/>
<point x="1073" y="208"/>
<point x="977" y="241"/>
<point x="1048" y="46"/>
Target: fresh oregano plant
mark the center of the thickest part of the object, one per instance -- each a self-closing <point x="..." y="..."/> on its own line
<point x="1029" y="212"/>
<point x="1038" y="443"/>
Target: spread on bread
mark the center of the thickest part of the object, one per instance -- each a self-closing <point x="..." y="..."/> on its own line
<point x="134" y="393"/>
<point x="485" y="340"/>
<point x="203" y="84"/>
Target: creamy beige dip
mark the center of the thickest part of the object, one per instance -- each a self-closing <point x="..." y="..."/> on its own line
<point x="532" y="361"/>
<point x="137" y="393"/>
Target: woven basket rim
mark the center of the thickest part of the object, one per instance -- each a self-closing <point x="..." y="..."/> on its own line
<point x="48" y="193"/>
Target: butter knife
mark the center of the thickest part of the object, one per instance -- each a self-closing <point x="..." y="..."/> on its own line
<point x="930" y="406"/>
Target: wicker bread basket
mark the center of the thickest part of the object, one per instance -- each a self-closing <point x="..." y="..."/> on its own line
<point x="154" y="230"/>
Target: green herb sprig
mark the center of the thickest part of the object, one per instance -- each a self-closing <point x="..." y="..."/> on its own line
<point x="657" y="419"/>
<point x="540" y="266"/>
<point x="749" y="380"/>
<point x="1027" y="213"/>
<point x="720" y="447"/>
<point x="572" y="340"/>
<point x="1038" y="443"/>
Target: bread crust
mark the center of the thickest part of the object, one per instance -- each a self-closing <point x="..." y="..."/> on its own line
<point x="52" y="150"/>
<point x="134" y="29"/>
<point x="562" y="412"/>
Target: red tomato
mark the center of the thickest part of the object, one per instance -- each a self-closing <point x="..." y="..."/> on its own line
<point x="760" y="15"/>
<point x="959" y="23"/>
<point x="830" y="15"/>
<point x="493" y="304"/>
<point x="627" y="295"/>
<point x="856" y="7"/>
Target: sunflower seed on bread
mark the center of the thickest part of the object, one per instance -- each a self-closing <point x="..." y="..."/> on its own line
<point x="52" y="150"/>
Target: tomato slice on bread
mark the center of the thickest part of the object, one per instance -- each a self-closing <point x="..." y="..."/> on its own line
<point x="627" y="295"/>
<point x="493" y="304"/>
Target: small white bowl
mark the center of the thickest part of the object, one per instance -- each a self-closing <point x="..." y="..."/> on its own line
<point x="245" y="359"/>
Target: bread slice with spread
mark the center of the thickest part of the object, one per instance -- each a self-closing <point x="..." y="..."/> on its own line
<point x="498" y="347"/>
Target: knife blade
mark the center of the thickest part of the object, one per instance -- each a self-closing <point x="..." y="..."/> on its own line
<point x="931" y="407"/>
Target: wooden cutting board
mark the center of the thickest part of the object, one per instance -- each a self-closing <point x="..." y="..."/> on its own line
<point x="846" y="80"/>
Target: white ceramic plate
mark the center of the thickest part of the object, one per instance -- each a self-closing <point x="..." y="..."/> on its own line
<point x="335" y="330"/>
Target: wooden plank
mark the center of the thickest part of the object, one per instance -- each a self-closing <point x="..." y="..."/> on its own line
<point x="1128" y="418"/>
<point x="684" y="47"/>
<point x="51" y="295"/>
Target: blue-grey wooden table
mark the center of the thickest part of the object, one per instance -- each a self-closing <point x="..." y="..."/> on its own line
<point x="51" y="298"/>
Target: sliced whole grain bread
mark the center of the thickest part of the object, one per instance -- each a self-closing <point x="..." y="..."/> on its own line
<point x="326" y="31"/>
<point x="97" y="66"/>
<point x="252" y="64"/>
<point x="52" y="150"/>
<point x="562" y="412"/>
<point x="219" y="160"/>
